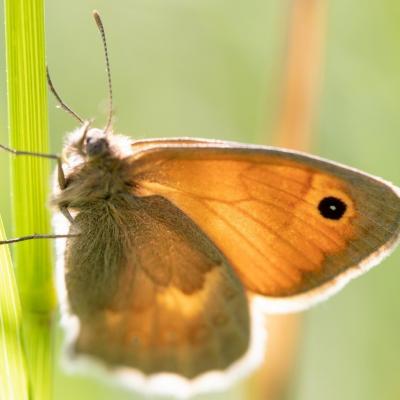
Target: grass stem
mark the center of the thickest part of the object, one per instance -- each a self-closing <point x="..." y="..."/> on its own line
<point x="28" y="130"/>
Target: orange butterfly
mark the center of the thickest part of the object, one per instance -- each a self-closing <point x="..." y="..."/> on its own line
<point x="171" y="238"/>
<point x="181" y="229"/>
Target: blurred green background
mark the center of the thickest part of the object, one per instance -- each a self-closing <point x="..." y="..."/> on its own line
<point x="213" y="68"/>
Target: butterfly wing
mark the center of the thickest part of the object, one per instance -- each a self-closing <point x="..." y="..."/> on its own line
<point x="289" y="224"/>
<point x="165" y="300"/>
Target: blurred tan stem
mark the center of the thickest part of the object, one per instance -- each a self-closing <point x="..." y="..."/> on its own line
<point x="301" y="80"/>
<point x="300" y="88"/>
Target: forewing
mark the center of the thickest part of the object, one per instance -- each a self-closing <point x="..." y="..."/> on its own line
<point x="176" y="306"/>
<point x="260" y="206"/>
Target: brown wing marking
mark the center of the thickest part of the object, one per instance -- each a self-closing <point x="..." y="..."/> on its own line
<point x="177" y="306"/>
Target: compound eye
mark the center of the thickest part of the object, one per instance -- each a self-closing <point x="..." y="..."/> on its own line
<point x="332" y="207"/>
<point x="96" y="146"/>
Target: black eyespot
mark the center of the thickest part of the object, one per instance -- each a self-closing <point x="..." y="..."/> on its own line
<point x="332" y="208"/>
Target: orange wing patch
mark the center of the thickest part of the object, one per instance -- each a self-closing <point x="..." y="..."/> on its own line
<point x="261" y="208"/>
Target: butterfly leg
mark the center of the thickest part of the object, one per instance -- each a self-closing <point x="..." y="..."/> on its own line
<point x="28" y="153"/>
<point x="35" y="236"/>
<point x="64" y="211"/>
<point x="61" y="176"/>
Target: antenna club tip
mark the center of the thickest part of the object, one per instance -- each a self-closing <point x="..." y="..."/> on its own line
<point x="97" y="18"/>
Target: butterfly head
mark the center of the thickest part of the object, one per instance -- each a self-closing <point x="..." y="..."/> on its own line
<point x="95" y="143"/>
<point x="87" y="143"/>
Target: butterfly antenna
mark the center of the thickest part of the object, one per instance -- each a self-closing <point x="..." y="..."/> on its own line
<point x="57" y="96"/>
<point x="100" y="26"/>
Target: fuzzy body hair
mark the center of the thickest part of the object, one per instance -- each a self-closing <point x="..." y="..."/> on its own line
<point x="95" y="192"/>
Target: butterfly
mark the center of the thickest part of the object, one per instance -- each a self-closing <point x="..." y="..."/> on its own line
<point x="181" y="229"/>
<point x="171" y="240"/>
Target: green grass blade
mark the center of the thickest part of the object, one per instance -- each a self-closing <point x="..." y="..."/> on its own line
<point x="13" y="377"/>
<point x="28" y="124"/>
